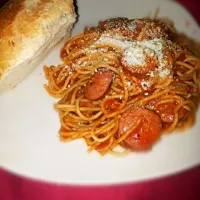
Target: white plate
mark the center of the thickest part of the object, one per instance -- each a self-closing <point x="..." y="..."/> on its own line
<point x="29" y="143"/>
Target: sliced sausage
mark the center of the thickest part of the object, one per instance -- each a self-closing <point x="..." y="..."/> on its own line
<point x="98" y="84"/>
<point x="146" y="134"/>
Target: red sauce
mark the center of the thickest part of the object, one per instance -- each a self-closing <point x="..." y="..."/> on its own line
<point x="111" y="105"/>
<point x="63" y="53"/>
<point x="102" y="145"/>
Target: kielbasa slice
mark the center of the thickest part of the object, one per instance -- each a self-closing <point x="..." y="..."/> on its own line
<point x="146" y="134"/>
<point x="98" y="84"/>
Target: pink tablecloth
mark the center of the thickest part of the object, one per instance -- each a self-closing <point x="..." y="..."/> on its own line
<point x="182" y="186"/>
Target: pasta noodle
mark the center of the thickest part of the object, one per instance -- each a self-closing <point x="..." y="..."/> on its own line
<point x="99" y="58"/>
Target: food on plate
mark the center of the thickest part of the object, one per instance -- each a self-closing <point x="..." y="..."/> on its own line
<point x="124" y="83"/>
<point x="29" y="29"/>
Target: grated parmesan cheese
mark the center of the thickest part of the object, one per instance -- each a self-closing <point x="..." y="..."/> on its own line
<point x="91" y="51"/>
<point x="163" y="71"/>
<point x="145" y="84"/>
<point x="151" y="74"/>
<point x="128" y="83"/>
<point x="156" y="46"/>
<point x="84" y="63"/>
<point x="135" y="52"/>
<point x="116" y="41"/>
<point x="134" y="56"/>
<point x="132" y="26"/>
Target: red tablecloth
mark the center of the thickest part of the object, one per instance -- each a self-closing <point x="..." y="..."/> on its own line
<point x="182" y="186"/>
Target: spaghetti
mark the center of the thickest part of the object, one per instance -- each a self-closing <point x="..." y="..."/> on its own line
<point x="124" y="83"/>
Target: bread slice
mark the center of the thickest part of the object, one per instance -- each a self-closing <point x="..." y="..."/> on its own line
<point x="29" y="29"/>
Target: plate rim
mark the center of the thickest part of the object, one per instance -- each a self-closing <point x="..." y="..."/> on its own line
<point x="188" y="166"/>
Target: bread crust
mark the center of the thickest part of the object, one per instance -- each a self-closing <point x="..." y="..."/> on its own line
<point x="23" y="23"/>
